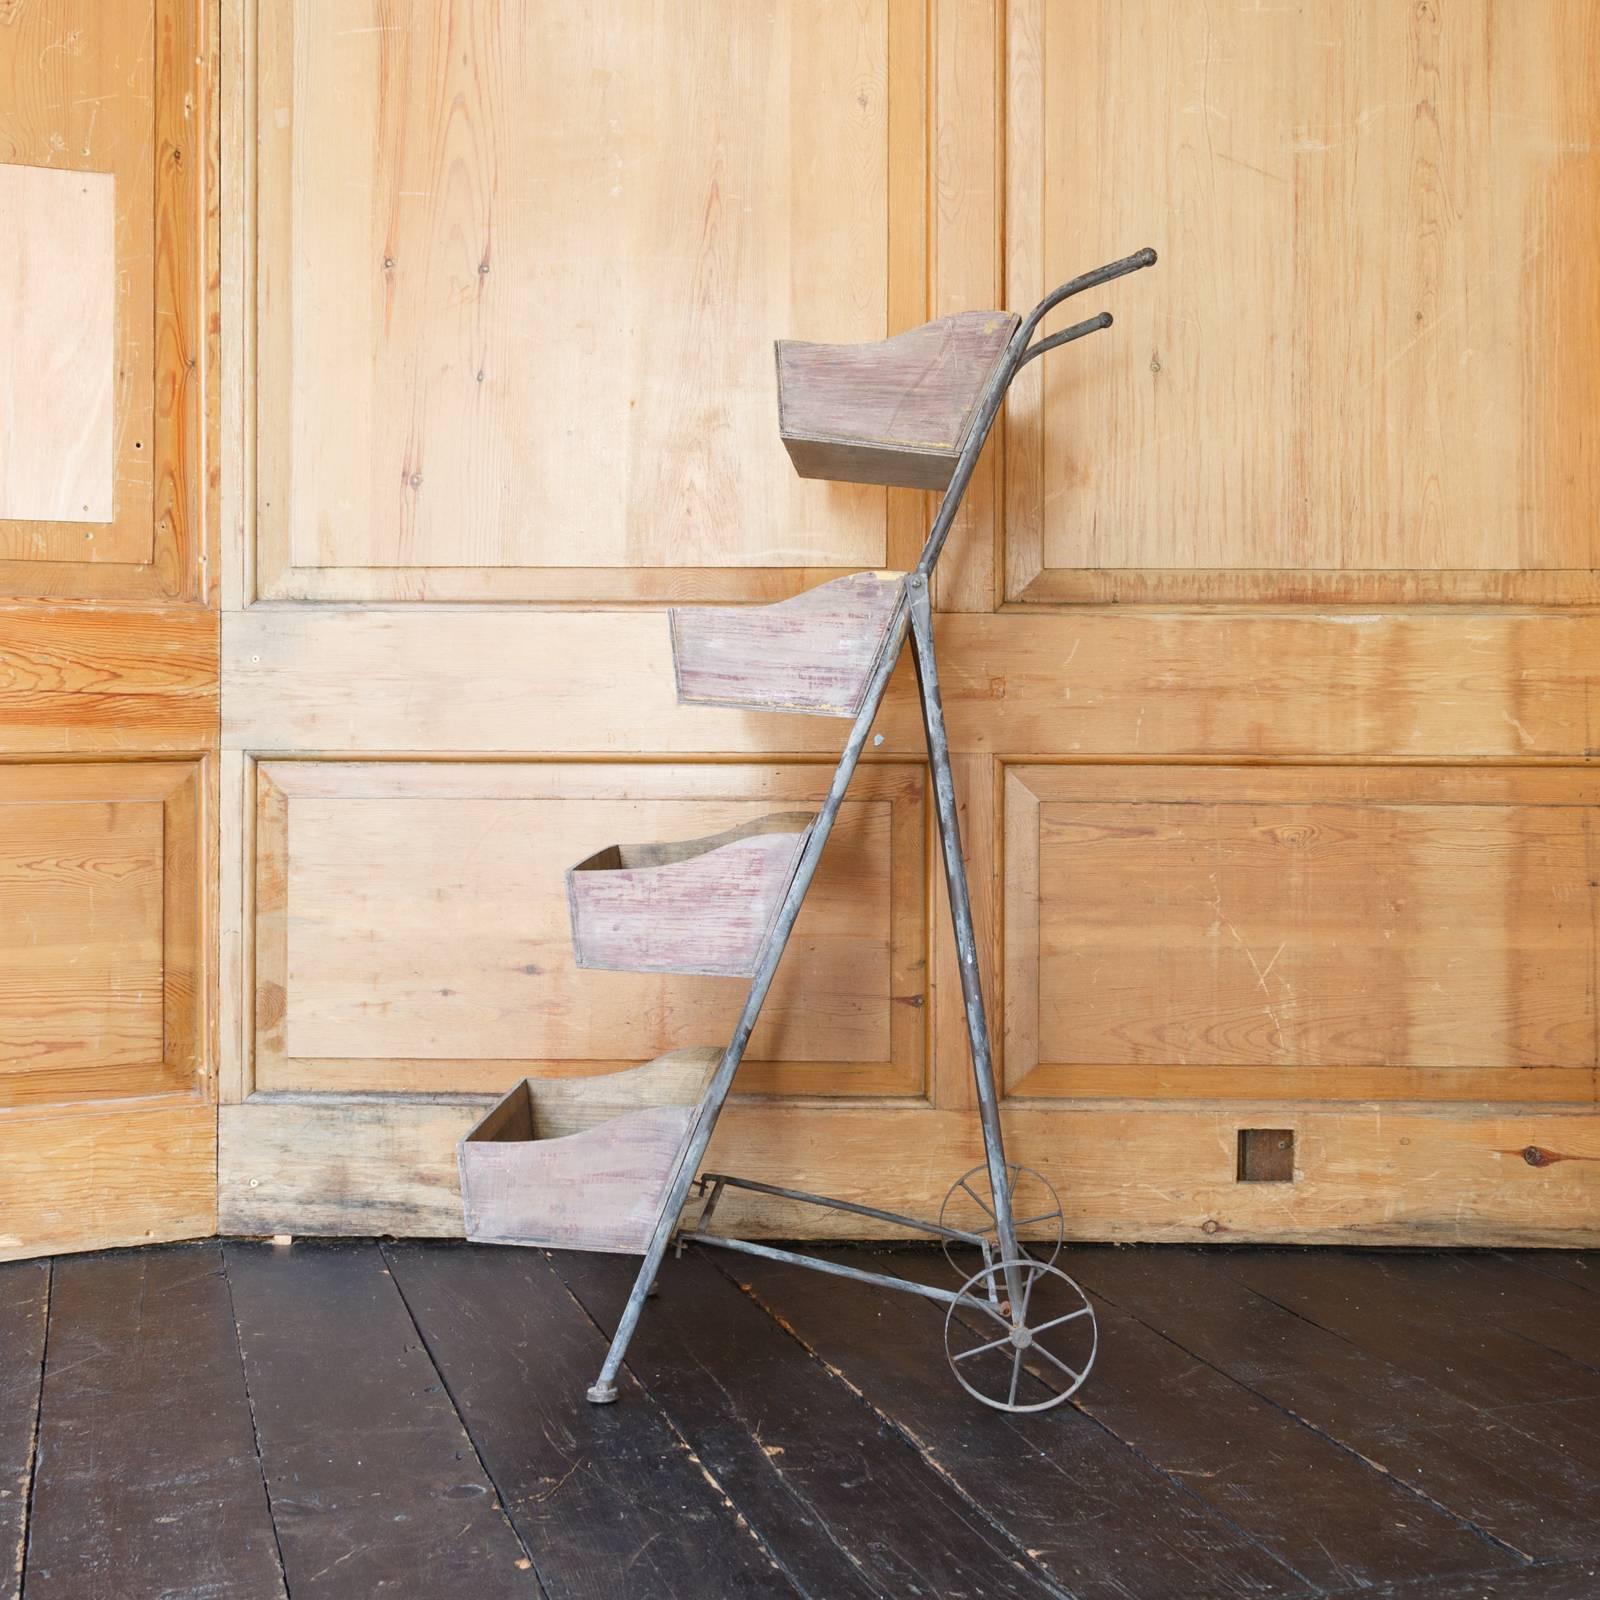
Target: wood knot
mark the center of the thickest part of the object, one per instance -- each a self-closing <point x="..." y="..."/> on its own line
<point x="270" y="999"/>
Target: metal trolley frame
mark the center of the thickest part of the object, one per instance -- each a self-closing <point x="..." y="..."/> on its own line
<point x="997" y="1323"/>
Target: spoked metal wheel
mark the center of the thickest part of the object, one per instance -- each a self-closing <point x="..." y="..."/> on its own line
<point x="989" y="1341"/>
<point x="969" y="1208"/>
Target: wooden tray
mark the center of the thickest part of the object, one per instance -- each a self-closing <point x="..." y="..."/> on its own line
<point x="582" y="1163"/>
<point x="814" y="653"/>
<point x="896" y="412"/>
<point x="702" y="905"/>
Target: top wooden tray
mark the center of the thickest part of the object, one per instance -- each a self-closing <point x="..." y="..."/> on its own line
<point x="896" y="412"/>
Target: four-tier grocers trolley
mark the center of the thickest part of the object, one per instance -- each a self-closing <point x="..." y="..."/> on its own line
<point x="609" y="1163"/>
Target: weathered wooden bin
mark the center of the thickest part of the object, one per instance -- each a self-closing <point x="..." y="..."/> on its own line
<point x="701" y="905"/>
<point x="814" y="653"/>
<point x="582" y="1163"/>
<point x="896" y="412"/>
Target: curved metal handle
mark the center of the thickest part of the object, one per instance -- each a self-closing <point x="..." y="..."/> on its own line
<point x="1088" y="280"/>
<point x="1066" y="336"/>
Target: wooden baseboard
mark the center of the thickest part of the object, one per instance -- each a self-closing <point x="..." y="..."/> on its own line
<point x="1362" y="1175"/>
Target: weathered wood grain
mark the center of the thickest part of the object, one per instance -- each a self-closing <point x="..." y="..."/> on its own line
<point x="1235" y="1450"/>
<point x="148" y="1482"/>
<point x="814" y="653"/>
<point x="896" y="412"/>
<point x="24" y="1305"/>
<point x="57" y="309"/>
<point x="774" y="1428"/>
<point x="1487" y="1465"/>
<point x="699" y="906"/>
<point x="1562" y="1580"/>
<point x="1127" y="1170"/>
<point x="583" y="1164"/>
<point x="374" y="1485"/>
<point x="1055" y="1495"/>
<point x="609" y="1500"/>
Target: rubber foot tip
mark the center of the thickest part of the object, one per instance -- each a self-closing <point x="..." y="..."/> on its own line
<point x="602" y="1394"/>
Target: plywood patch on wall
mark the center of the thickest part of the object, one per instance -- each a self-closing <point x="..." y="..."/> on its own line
<point x="57" y="331"/>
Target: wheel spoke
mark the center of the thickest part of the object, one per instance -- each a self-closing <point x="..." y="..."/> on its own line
<point x="1016" y="1372"/>
<point x="1077" y="1377"/>
<point x="1055" y="1322"/>
<point x="1043" y="1216"/>
<point x="974" y="1193"/>
<point x="1027" y="1291"/>
<point x="977" y="1350"/>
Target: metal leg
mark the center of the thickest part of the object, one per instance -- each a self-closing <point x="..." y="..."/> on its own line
<point x="955" y="874"/>
<point x="604" y="1388"/>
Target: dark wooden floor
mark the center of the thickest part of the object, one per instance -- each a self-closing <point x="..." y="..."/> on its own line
<point x="362" y="1419"/>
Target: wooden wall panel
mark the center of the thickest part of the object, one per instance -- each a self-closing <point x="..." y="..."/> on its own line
<point x="108" y="646"/>
<point x="1393" y="934"/>
<point x="57" y="357"/>
<point x="102" y="957"/>
<point x="512" y="348"/>
<point x="80" y="934"/>
<point x="411" y="928"/>
<point x="1269" y="425"/>
<point x="118" y="91"/>
<point x="1361" y="370"/>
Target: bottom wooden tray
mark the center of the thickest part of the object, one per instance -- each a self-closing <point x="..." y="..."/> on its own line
<point x="582" y="1163"/>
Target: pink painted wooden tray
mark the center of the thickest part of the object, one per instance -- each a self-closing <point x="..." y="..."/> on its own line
<point x="896" y="412"/>
<point x="582" y="1163"/>
<point x="702" y="905"/>
<point x="813" y="653"/>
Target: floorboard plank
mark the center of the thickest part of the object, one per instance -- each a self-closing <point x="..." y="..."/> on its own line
<point x="146" y="1482"/>
<point x="1547" y="1311"/>
<point x="817" y="1472"/>
<point x="608" y="1499"/>
<point x="1561" y="1581"/>
<point x="1581" y="1267"/>
<point x="1417" y="1311"/>
<point x="1101" y="1520"/>
<point x="1397" y="1306"/>
<point x="1461" y="1456"/>
<point x="375" y="1487"/>
<point x="24" y="1302"/>
<point x="1313" y="1505"/>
